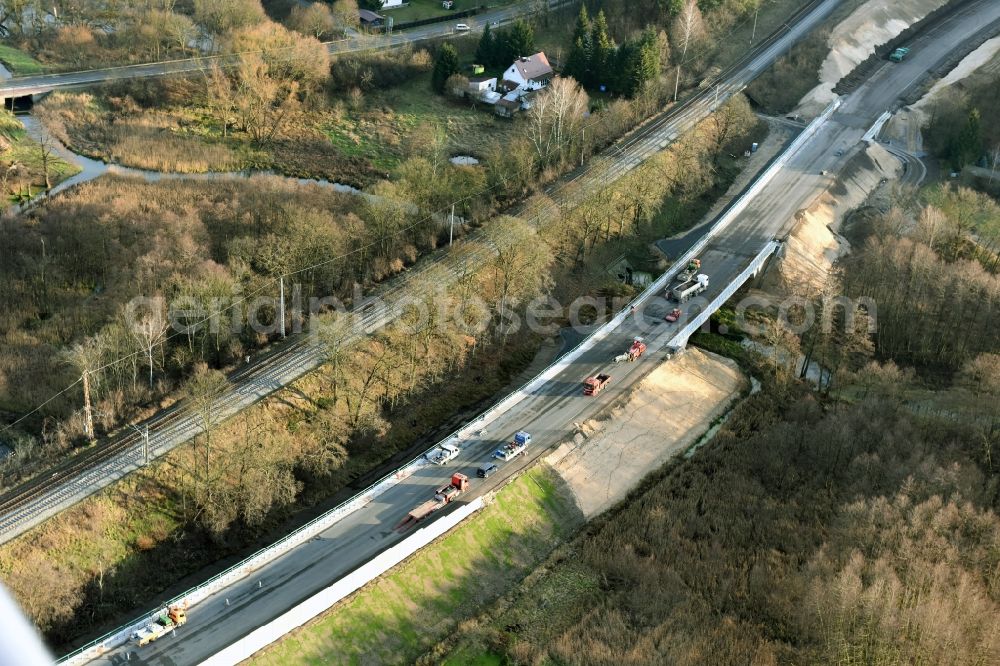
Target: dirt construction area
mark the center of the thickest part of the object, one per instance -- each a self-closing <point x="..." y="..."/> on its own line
<point x="664" y="416"/>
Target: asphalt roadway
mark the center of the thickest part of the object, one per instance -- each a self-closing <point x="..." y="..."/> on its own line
<point x="42" y="83"/>
<point x="550" y="412"/>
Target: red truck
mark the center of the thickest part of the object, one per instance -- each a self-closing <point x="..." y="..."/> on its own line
<point x="673" y="315"/>
<point x="637" y="349"/>
<point x="444" y="495"/>
<point x="594" y="385"/>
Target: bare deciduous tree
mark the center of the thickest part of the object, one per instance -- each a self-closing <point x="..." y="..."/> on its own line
<point x="688" y="28"/>
<point x="555" y="119"/>
<point x="315" y="19"/>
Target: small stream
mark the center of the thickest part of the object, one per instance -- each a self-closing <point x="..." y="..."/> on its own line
<point x="710" y="433"/>
<point x="92" y="168"/>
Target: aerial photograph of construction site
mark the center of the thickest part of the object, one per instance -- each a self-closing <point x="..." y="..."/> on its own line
<point x="500" y="333"/>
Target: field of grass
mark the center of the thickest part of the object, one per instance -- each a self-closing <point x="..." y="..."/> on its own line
<point x="379" y="133"/>
<point x="396" y="618"/>
<point x="19" y="62"/>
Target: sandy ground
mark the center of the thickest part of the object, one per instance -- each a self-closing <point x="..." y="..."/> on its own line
<point x="665" y="415"/>
<point x="905" y="126"/>
<point x="856" y="37"/>
<point x="814" y="244"/>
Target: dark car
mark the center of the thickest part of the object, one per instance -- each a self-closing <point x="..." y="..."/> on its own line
<point x="484" y="471"/>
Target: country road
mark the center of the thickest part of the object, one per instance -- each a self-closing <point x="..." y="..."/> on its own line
<point x="33" y="502"/>
<point x="42" y="83"/>
<point x="549" y="412"/>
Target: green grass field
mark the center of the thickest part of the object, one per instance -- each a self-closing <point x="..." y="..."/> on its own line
<point x="398" y="617"/>
<point x="18" y="62"/>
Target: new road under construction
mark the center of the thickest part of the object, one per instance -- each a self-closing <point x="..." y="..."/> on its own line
<point x="549" y="406"/>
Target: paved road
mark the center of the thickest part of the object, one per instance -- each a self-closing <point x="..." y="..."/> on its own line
<point x="356" y="42"/>
<point x="85" y="475"/>
<point x="550" y="412"/>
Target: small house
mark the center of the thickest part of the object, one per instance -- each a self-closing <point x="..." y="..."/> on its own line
<point x="390" y="4"/>
<point x="531" y="73"/>
<point x="370" y="19"/>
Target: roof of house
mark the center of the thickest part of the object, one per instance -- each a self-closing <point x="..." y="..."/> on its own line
<point x="369" y="16"/>
<point x="481" y="79"/>
<point x="509" y="103"/>
<point x="534" y="67"/>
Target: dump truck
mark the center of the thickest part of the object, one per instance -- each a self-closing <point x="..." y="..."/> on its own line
<point x="167" y="621"/>
<point x="692" y="287"/>
<point x="637" y="349"/>
<point x="442" y="496"/>
<point x="515" y="448"/>
<point x="899" y="54"/>
<point x="596" y="384"/>
<point x="689" y="271"/>
<point x="443" y="454"/>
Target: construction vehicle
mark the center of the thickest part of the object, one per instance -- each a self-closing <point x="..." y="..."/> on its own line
<point x="515" y="448"/>
<point x="443" y="496"/>
<point x="637" y="349"/>
<point x="692" y="287"/>
<point x="170" y="619"/>
<point x="596" y="384"/>
<point x="443" y="454"/>
<point x="673" y="315"/>
<point x="899" y="54"/>
<point x="689" y="272"/>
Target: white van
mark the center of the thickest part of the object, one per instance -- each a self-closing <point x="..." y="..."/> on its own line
<point x="462" y="27"/>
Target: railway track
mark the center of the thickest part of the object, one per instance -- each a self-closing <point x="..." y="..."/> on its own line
<point x="99" y="466"/>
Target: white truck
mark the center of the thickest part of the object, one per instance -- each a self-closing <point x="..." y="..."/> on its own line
<point x="692" y="287"/>
<point x="443" y="454"/>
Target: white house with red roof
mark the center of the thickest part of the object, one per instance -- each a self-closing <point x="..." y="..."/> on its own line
<point x="531" y="73"/>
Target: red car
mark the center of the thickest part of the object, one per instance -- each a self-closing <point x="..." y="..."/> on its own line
<point x="673" y="315"/>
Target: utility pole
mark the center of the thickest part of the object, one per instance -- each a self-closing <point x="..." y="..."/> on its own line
<point x="754" y="32"/>
<point x="677" y="82"/>
<point x="281" y="300"/>
<point x="451" y="231"/>
<point x="88" y="414"/>
<point x="144" y="433"/>
<point x="716" y="104"/>
<point x="583" y="144"/>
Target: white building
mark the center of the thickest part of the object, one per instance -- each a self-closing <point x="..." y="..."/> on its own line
<point x="389" y="4"/>
<point x="531" y="73"/>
